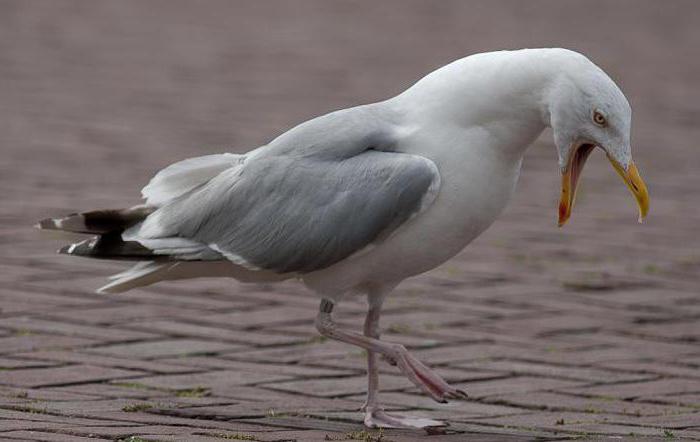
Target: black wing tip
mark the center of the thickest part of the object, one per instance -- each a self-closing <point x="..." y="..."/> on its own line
<point x="97" y="222"/>
<point x="46" y="224"/>
<point x="65" y="250"/>
<point x="82" y="248"/>
<point x="74" y="223"/>
<point x="78" y="248"/>
<point x="107" y="246"/>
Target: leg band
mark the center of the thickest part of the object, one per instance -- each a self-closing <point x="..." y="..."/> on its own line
<point x="326" y="306"/>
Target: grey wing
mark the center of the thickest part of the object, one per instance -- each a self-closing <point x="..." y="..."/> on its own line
<point x="314" y="196"/>
<point x="300" y="214"/>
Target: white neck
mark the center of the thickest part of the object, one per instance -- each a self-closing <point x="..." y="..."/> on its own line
<point x="505" y="92"/>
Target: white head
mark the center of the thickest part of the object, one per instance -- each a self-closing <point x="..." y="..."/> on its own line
<point x="587" y="110"/>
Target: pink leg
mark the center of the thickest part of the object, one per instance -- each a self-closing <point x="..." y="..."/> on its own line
<point x="416" y="372"/>
<point x="371" y="330"/>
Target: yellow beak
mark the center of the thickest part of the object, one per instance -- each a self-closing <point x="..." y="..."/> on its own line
<point x="636" y="185"/>
<point x="570" y="176"/>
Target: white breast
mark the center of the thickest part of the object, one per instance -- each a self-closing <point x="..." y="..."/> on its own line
<point x="477" y="181"/>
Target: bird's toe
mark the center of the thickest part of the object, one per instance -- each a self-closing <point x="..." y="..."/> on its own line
<point x="378" y="418"/>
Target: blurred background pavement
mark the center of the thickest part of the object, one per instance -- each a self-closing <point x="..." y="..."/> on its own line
<point x="556" y="333"/>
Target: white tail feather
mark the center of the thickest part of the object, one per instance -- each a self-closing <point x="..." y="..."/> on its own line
<point x="149" y="272"/>
<point x="181" y="177"/>
<point x="143" y="273"/>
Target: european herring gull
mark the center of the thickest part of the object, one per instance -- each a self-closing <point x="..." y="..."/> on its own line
<point x="362" y="198"/>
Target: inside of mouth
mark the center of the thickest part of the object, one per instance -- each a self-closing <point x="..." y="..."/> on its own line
<point x="578" y="161"/>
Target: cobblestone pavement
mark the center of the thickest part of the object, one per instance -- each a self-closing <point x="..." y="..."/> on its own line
<point x="590" y="331"/>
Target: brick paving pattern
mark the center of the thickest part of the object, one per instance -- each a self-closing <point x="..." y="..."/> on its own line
<point x="587" y="332"/>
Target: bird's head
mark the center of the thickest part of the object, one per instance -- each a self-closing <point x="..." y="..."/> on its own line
<point x="588" y="110"/>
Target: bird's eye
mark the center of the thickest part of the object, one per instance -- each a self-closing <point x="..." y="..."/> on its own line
<point x="599" y="118"/>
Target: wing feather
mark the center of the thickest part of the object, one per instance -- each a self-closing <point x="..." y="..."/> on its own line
<point x="292" y="207"/>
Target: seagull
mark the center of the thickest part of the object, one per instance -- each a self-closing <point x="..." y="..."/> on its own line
<point x="357" y="200"/>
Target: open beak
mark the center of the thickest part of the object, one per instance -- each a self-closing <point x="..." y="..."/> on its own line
<point x="569" y="180"/>
<point x="572" y="173"/>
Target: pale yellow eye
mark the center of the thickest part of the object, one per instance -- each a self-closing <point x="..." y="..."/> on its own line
<point x="599" y="118"/>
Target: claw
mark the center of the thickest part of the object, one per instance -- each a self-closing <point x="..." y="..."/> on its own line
<point x="457" y="394"/>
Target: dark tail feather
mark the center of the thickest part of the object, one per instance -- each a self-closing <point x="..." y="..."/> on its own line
<point x="108" y="225"/>
<point x="109" y="246"/>
<point x="98" y="221"/>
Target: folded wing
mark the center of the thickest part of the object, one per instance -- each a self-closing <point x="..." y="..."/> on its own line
<point x="289" y="213"/>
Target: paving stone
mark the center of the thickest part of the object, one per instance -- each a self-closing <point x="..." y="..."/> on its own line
<point x="167" y="366"/>
<point x="193" y="437"/>
<point x="81" y="284"/>
<point x="161" y="419"/>
<point x="12" y="363"/>
<point x="256" y="393"/>
<point x="596" y="405"/>
<point x="516" y="384"/>
<point x="474" y="335"/>
<point x="422" y="320"/>
<point x="556" y="324"/>
<point x="68" y="329"/>
<point x="67" y="374"/>
<point x="684" y="331"/>
<point x="297" y="422"/>
<point x="122" y="314"/>
<point x="636" y="389"/>
<point x="18" y="300"/>
<point x="358" y="362"/>
<point x="308" y="334"/>
<point x="119" y="389"/>
<point x="453" y="409"/>
<point x="679" y="421"/>
<point x="258" y="338"/>
<point x="648" y="297"/>
<point x="14" y="424"/>
<point x="12" y="307"/>
<point x="256" y="410"/>
<point x="164" y="348"/>
<point x="610" y="430"/>
<point x="179" y="296"/>
<point x="693" y="360"/>
<point x="45" y="436"/>
<point x="286" y="435"/>
<point x="24" y="342"/>
<point x="514" y="367"/>
<point x="37" y="417"/>
<point x="312" y="353"/>
<point x="218" y="381"/>
<point x="599" y="352"/>
<point x="125" y="430"/>
<point x="79" y="408"/>
<point x="643" y="348"/>
<point x="452" y="354"/>
<point x="546" y="420"/>
<point x="689" y="400"/>
<point x="264" y="317"/>
<point x="43" y="394"/>
<point x="299" y="371"/>
<point x="164" y="432"/>
<point x="339" y="387"/>
<point x="665" y="368"/>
